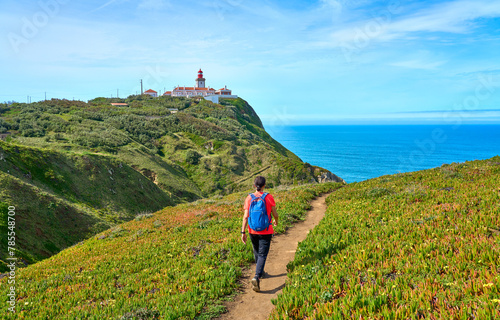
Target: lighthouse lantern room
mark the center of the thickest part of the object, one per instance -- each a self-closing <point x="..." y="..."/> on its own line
<point x="200" y="81"/>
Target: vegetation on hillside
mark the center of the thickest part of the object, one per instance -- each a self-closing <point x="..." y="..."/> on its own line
<point x="215" y="145"/>
<point x="101" y="164"/>
<point x="178" y="263"/>
<point x="61" y="198"/>
<point x="422" y="245"/>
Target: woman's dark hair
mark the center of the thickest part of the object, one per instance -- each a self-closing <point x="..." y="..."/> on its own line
<point x="259" y="182"/>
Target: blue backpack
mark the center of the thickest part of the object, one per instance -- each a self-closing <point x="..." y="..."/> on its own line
<point x="258" y="219"/>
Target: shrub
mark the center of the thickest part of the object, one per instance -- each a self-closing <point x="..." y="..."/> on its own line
<point x="99" y="137"/>
<point x="192" y="157"/>
<point x="4" y="124"/>
<point x="141" y="314"/>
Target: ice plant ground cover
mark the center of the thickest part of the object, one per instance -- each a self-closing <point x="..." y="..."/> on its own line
<point x="178" y="263"/>
<point x="421" y="245"/>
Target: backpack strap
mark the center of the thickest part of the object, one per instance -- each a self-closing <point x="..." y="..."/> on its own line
<point x="253" y="196"/>
<point x="269" y="213"/>
<point x="263" y="197"/>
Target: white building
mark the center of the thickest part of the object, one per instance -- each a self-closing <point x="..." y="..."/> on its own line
<point x="201" y="90"/>
<point x="151" y="93"/>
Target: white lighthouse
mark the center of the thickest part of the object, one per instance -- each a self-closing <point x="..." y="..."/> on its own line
<point x="200" y="81"/>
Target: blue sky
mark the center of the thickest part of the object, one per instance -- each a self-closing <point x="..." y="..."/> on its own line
<point x="295" y="62"/>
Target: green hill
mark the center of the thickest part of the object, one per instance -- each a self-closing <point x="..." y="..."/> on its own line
<point x="422" y="245"/>
<point x="73" y="169"/>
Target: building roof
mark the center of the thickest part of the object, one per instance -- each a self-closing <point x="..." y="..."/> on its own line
<point x="151" y="91"/>
<point x="184" y="88"/>
<point x="119" y="104"/>
<point x="193" y="89"/>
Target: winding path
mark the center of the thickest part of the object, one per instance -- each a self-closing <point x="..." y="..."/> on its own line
<point x="257" y="305"/>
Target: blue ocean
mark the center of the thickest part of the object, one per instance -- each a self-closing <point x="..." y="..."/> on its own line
<point x="361" y="152"/>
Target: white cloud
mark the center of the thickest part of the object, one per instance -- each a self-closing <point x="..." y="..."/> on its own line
<point x="333" y="6"/>
<point x="455" y="17"/>
<point x="418" y="64"/>
<point x="153" y="4"/>
<point x="104" y="5"/>
<point x="450" y="17"/>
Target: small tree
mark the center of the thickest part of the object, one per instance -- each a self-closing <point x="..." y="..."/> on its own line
<point x="192" y="157"/>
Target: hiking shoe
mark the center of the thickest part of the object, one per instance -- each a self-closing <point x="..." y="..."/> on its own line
<point x="255" y="284"/>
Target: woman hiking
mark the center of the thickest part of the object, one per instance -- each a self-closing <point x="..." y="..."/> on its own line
<point x="260" y="209"/>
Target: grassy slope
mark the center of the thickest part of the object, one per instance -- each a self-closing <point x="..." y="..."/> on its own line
<point x="176" y="264"/>
<point x="202" y="150"/>
<point x="228" y="140"/>
<point x="111" y="163"/>
<point x="409" y="246"/>
<point x="88" y="192"/>
<point x="243" y="148"/>
<point x="103" y="183"/>
<point x="49" y="223"/>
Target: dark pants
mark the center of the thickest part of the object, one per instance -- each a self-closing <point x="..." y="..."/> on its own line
<point x="261" y="244"/>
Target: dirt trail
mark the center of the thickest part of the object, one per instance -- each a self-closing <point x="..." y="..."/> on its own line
<point x="282" y="251"/>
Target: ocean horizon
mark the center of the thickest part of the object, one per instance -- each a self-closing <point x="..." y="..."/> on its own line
<point x="360" y="152"/>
